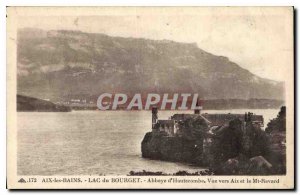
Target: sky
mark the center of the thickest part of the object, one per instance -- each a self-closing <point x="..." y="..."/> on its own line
<point x="258" y="39"/>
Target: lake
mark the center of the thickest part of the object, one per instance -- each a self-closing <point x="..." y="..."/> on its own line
<point x="94" y="142"/>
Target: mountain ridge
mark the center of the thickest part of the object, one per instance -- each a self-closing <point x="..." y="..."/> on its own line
<point x="58" y="63"/>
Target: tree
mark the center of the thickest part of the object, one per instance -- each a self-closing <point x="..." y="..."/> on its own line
<point x="279" y="123"/>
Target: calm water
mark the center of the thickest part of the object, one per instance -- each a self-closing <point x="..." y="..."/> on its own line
<point x="92" y="142"/>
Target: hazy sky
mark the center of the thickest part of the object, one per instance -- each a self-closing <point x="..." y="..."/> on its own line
<point x="259" y="39"/>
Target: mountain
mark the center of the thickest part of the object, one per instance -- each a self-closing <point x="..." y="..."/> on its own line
<point x="29" y="104"/>
<point x="57" y="64"/>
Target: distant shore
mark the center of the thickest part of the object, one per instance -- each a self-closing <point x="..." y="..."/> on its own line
<point x="217" y="104"/>
<point x="30" y="104"/>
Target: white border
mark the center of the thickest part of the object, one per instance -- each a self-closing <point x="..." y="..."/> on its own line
<point x="5" y="3"/>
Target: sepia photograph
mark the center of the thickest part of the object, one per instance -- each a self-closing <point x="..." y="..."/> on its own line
<point x="150" y="97"/>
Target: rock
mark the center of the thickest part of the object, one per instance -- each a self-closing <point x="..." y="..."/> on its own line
<point x="258" y="165"/>
<point x="236" y="140"/>
<point x="260" y="161"/>
<point x="176" y="149"/>
<point x="231" y="167"/>
<point x="241" y="165"/>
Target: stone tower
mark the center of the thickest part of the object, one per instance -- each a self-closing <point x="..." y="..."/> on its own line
<point x="154" y="116"/>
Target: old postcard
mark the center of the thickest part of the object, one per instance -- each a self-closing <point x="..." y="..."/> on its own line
<point x="150" y="98"/>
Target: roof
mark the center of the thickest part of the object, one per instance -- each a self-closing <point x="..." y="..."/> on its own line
<point x="166" y="122"/>
<point x="221" y="119"/>
<point x="183" y="116"/>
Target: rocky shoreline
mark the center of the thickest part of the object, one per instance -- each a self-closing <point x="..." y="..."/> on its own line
<point x="239" y="148"/>
<point x="178" y="173"/>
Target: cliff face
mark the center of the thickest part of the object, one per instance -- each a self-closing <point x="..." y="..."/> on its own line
<point x="54" y="64"/>
<point x="185" y="146"/>
<point x="176" y="149"/>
